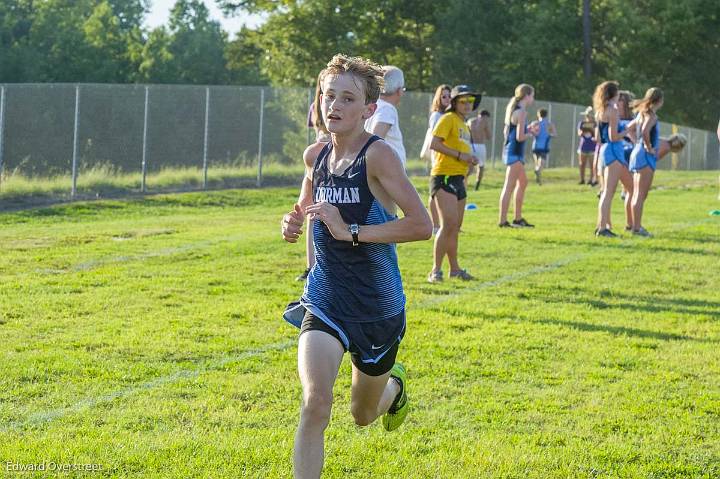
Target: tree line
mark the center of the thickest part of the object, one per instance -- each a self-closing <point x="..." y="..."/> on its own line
<point x="562" y="47"/>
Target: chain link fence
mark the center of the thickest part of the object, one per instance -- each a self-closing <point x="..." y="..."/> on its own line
<point x="86" y="138"/>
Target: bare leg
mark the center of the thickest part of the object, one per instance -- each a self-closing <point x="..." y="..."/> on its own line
<point x="461" y="212"/>
<point x="594" y="170"/>
<point x="478" y="180"/>
<point x="643" y="180"/>
<point x="511" y="176"/>
<point x="434" y="212"/>
<point x="627" y="182"/>
<point x="319" y="356"/>
<point x="581" y="166"/>
<point x="538" y="168"/>
<point x="446" y="240"/>
<point x="612" y="174"/>
<point x="522" y="183"/>
<point x="372" y="396"/>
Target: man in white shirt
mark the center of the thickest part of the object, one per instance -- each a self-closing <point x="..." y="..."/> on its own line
<point x="385" y="122"/>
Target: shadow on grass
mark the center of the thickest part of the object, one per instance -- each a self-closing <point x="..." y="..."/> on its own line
<point x="628" y="242"/>
<point x="622" y="331"/>
<point x="649" y="304"/>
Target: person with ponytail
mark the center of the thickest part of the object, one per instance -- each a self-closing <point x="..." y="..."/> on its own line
<point x="624" y="101"/>
<point x="609" y="131"/>
<point x="516" y="132"/>
<point x="440" y="103"/>
<point x="643" y="159"/>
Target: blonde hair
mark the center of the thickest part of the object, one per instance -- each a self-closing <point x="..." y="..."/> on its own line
<point x="604" y="92"/>
<point x="369" y="73"/>
<point x="316" y="113"/>
<point x="521" y="91"/>
<point x="437" y="99"/>
<point x="652" y="97"/>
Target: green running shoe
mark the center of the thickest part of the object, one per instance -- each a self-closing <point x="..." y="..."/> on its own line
<point x="399" y="409"/>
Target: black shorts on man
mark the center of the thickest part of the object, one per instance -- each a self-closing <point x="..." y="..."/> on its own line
<point x="376" y="334"/>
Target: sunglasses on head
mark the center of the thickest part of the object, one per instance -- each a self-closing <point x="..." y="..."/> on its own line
<point x="466" y="99"/>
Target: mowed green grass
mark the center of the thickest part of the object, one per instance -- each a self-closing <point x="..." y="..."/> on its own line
<point x="145" y="336"/>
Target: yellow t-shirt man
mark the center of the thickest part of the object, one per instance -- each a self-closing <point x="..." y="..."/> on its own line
<point x="456" y="135"/>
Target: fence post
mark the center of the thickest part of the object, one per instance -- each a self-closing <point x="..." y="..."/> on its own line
<point x="260" y="137"/>
<point x="73" y="191"/>
<point x="2" y="131"/>
<point x="205" y="138"/>
<point x="705" y="151"/>
<point x="689" y="162"/>
<point x="573" y="150"/>
<point x="144" y="153"/>
<point x="548" y="157"/>
<point x="492" y="141"/>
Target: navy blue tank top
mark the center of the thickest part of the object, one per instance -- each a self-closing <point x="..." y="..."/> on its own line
<point x="513" y="147"/>
<point x="352" y="283"/>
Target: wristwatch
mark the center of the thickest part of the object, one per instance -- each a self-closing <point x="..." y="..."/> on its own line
<point x="354" y="229"/>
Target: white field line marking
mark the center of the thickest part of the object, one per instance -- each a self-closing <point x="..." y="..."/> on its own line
<point x="93" y="263"/>
<point x="49" y="416"/>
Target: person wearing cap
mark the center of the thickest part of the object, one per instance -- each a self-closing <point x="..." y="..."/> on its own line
<point x="586" y="149"/>
<point x="451" y="142"/>
<point x="385" y="123"/>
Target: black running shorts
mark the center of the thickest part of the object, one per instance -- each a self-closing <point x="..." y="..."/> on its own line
<point x="312" y="323"/>
<point x="454" y="185"/>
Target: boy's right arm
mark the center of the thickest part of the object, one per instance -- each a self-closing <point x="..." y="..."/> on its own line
<point x="293" y="221"/>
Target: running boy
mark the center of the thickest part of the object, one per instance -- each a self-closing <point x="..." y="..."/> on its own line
<point x="541" y="144"/>
<point x="353" y="299"/>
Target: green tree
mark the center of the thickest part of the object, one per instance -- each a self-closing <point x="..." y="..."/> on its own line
<point x="190" y="50"/>
<point x="298" y="38"/>
<point x="243" y="53"/>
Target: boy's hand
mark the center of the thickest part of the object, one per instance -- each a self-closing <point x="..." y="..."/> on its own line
<point x="330" y="215"/>
<point x="292" y="224"/>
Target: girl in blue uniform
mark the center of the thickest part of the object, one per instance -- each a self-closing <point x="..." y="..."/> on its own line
<point x="611" y="154"/>
<point x="516" y="132"/>
<point x="624" y="103"/>
<point x="625" y="99"/>
<point x="541" y="144"/>
<point x="645" y="154"/>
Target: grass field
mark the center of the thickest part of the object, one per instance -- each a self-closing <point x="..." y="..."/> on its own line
<point x="145" y="337"/>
